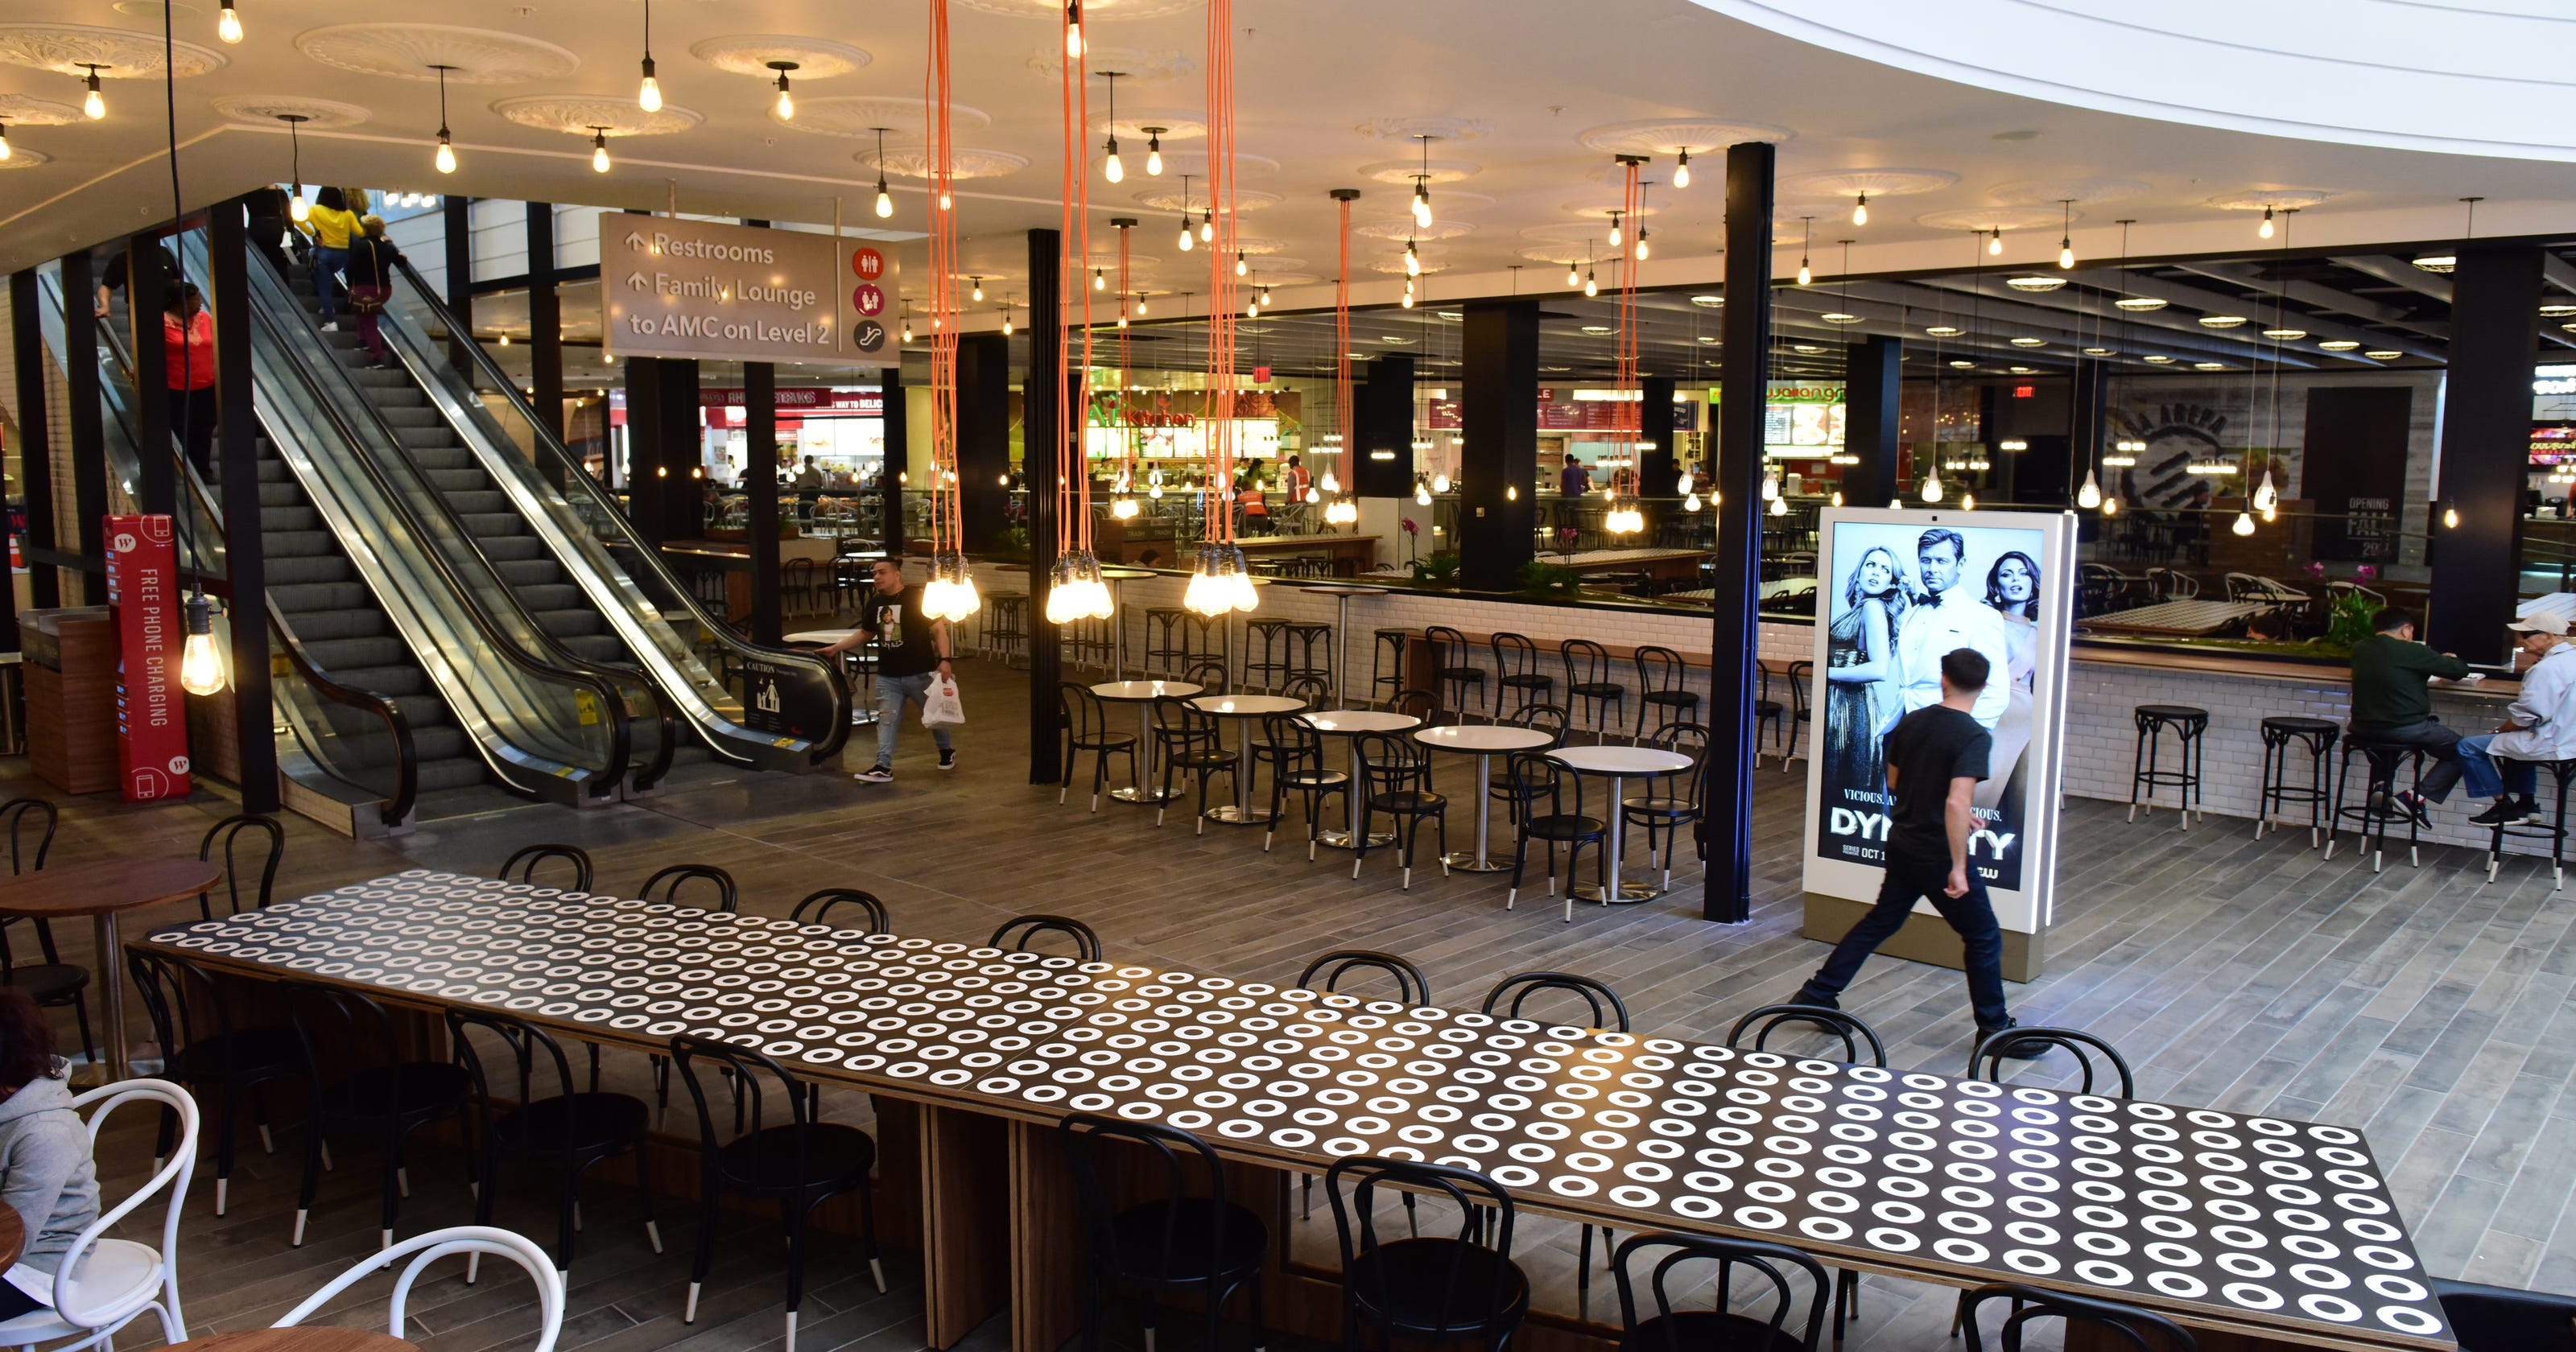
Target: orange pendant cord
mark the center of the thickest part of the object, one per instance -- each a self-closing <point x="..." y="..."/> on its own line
<point x="950" y="593"/>
<point x="1626" y="479"/>
<point x="1342" y="344"/>
<point x="1076" y="575"/>
<point x="1124" y="403"/>
<point x="1221" y="581"/>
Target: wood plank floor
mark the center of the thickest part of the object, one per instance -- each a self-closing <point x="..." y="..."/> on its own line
<point x="2429" y="1010"/>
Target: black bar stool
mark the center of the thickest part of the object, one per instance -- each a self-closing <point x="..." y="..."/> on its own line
<point x="1306" y="636"/>
<point x="2378" y="807"/>
<point x="2187" y="723"/>
<point x="1178" y="637"/>
<point x="2555" y="832"/>
<point x="1385" y="674"/>
<point x="1265" y="657"/>
<point x="1005" y="629"/>
<point x="2316" y="736"/>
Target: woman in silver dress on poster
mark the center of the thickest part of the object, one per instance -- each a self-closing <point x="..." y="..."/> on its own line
<point x="1862" y="680"/>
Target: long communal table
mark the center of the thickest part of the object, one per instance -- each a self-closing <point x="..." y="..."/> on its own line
<point x="2272" y="1230"/>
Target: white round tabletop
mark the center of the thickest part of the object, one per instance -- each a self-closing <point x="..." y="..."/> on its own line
<point x="1619" y="760"/>
<point x="1346" y="722"/>
<point x="817" y="636"/>
<point x="1122" y="574"/>
<point x="1138" y="692"/>
<point x="1246" y="706"/>
<point x="1482" y="739"/>
<point x="1347" y="591"/>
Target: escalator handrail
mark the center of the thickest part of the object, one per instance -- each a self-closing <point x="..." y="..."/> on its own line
<point x="826" y="748"/>
<point x="489" y="629"/>
<point x="394" y="807"/>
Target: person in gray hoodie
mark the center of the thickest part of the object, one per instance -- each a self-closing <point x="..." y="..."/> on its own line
<point x="45" y="1168"/>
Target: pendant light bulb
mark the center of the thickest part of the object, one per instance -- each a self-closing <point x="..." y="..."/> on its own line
<point x="2066" y="252"/>
<point x="598" y="150"/>
<point x="1779" y="506"/>
<point x="1439" y="483"/>
<point x="2450" y="520"/>
<point x="786" y="106"/>
<point x="979" y="288"/>
<point x="1995" y="245"/>
<point x="2264" y="494"/>
<point x="1572" y="277"/>
<point x="2264" y="231"/>
<point x="1412" y="261"/>
<point x="1422" y="205"/>
<point x="2244" y="524"/>
<point x="1683" y="484"/>
<point x="1073" y="32"/>
<point x="1932" y="487"/>
<point x="1681" y="171"/>
<point x="2111" y="505"/>
<point x="1207" y="225"/>
<point x="1188" y="241"/>
<point x="228" y="25"/>
<point x="1641" y="244"/>
<point x="885" y="200"/>
<point x="1860" y="210"/>
<point x="201" y="663"/>
<point x="1265" y="293"/>
<point x="1098" y="282"/>
<point x="648" y="96"/>
<point x="299" y="208"/>
<point x="1140" y="302"/>
<point x="1806" y="275"/>
<point x="1153" y="153"/>
<point x="1240" y="267"/>
<point x="1408" y="296"/>
<point x="1591" y="286"/>
<point x="1967" y="502"/>
<point x="2090" y="495"/>
<point x="2066" y="232"/>
<point x="94" y="104"/>
<point x="1007" y="330"/>
<point x="1838" y="497"/>
<point x="446" y="159"/>
<point x="1113" y="168"/>
<point x="1615" y="236"/>
<point x="1421" y="492"/>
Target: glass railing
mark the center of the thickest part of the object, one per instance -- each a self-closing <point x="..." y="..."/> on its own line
<point x="792" y="710"/>
<point x="331" y="731"/>
<point x="547" y="729"/>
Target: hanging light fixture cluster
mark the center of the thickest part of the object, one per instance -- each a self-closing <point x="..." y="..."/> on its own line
<point x="1621" y="516"/>
<point x="950" y="592"/>
<point x="1344" y="509"/>
<point x="1075" y="588"/>
<point x="1221" y="581"/>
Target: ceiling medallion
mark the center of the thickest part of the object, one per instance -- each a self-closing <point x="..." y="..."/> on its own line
<point x="1269" y="278"/>
<point x="20" y="157"/>
<point x="1405" y="227"/>
<point x="119" y="54"/>
<point x="1171" y="124"/>
<point x="1171" y="199"/>
<point x="406" y="51"/>
<point x="1256" y="246"/>
<point x="1194" y="163"/>
<point x="1874" y="182"/>
<point x="751" y="53"/>
<point x="1993" y="218"/>
<point x="263" y="110"/>
<point x="2266" y="199"/>
<point x="1406" y="171"/>
<point x="23" y="110"/>
<point x="1437" y="128"/>
<point x="1566" y="255"/>
<point x="1666" y="136"/>
<point x="859" y="115"/>
<point x="590" y="114"/>
<point x="914" y="161"/>
<point x="2050" y="192"/>
<point x="1395" y="265"/>
<point x="1140" y="64"/>
<point x="1596" y="209"/>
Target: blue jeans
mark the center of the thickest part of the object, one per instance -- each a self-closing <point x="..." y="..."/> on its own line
<point x="2483" y="778"/>
<point x="892" y="693"/>
<point x="328" y="264"/>
<point x="1972" y="915"/>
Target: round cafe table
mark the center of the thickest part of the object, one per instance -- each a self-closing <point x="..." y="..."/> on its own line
<point x="1483" y="741"/>
<point x="1342" y="627"/>
<point x="1243" y="709"/>
<point x="1616" y="763"/>
<point x="100" y="891"/>
<point x="317" y="1338"/>
<point x="1142" y="694"/>
<point x="1351" y="723"/>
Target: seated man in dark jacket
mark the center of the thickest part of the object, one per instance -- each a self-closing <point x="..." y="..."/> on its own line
<point x="2390" y="704"/>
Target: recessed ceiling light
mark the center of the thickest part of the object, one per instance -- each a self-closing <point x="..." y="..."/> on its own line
<point x="2160" y="359"/>
<point x="2140" y="304"/>
<point x="2222" y="321"/>
<point x="2097" y="352"/>
<point x="1556" y="370"/>
<point x="2338" y="345"/>
<point x="1709" y="302"/>
<point x="1355" y="355"/>
<point x="2383" y="354"/>
<point x="1805" y="349"/>
<point x="1944" y="330"/>
<point x="2286" y="335"/>
<point x="2558" y="311"/>
<point x="1598" y="328"/>
<point x="2437" y="262"/>
<point x="2030" y="342"/>
<point x="1450" y="314"/>
<point x="2209" y="366"/>
<point x="2034" y="283"/>
<point x="1962" y="363"/>
<point x="2021" y="370"/>
<point x="1708" y="338"/>
<point x="1392" y="338"/>
<point x="1838" y="317"/>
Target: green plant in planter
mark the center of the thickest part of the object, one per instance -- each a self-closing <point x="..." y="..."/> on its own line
<point x="1436" y="570"/>
<point x="2348" y="622"/>
<point x="1539" y="578"/>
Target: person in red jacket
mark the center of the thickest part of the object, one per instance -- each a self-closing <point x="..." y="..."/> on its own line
<point x="188" y="342"/>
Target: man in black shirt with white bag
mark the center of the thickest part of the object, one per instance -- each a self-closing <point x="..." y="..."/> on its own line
<point x="1935" y="757"/>
<point x="912" y="656"/>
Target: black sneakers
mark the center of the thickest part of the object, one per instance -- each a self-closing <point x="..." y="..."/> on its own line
<point x="2508" y="811"/>
<point x="2413" y="804"/>
<point x="2012" y="1049"/>
<point x="875" y="775"/>
<point x="1807" y="996"/>
<point x="948" y="760"/>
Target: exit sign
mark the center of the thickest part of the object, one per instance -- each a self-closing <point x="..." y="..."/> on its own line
<point x="2025" y="391"/>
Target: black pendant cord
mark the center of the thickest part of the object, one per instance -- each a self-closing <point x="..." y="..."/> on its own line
<point x="187" y="350"/>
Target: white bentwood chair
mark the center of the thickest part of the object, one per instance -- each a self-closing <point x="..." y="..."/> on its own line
<point x="466" y="1239"/>
<point x="105" y="1284"/>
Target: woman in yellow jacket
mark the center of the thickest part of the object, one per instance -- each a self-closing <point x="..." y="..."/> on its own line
<point x="332" y="224"/>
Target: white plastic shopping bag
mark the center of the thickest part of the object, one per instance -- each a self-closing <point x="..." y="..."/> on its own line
<point x="941" y="708"/>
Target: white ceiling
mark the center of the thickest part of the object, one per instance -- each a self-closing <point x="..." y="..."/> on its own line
<point x="1527" y="92"/>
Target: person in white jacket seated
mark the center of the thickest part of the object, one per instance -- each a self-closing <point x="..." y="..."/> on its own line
<point x="2540" y="725"/>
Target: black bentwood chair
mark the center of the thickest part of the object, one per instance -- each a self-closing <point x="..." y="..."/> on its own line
<point x="522" y="866"/>
<point x="2501" y="1319"/>
<point x="2028" y="1044"/>
<point x="564" y="1134"/>
<point x="1426" y="1288"/>
<point x="799" y="1163"/>
<point x="53" y="983"/>
<point x="1670" y="802"/>
<point x="1016" y="933"/>
<point x="817" y="909"/>
<point x="1188" y="741"/>
<point x="1296" y="755"/>
<point x="1538" y="812"/>
<point x="1395" y="779"/>
<point x="1412" y="989"/>
<point x="1666" y="1329"/>
<point x="1853" y="1034"/>
<point x="2114" y="1325"/>
<point x="1186" y="1240"/>
<point x="357" y="1079"/>
<point x="1608" y="1012"/>
<point x="728" y="899"/>
<point x="1086" y="728"/>
<point x="268" y="845"/>
<point x="209" y="1047"/>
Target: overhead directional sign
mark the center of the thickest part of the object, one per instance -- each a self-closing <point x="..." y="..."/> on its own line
<point x="679" y="288"/>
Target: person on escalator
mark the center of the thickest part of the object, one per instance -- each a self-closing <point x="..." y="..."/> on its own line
<point x="371" y="282"/>
<point x="113" y="276"/>
<point x="332" y="225"/>
<point x="188" y="336"/>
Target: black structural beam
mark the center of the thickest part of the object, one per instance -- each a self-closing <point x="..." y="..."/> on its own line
<point x="1874" y="377"/>
<point x="545" y="333"/>
<point x="456" y="218"/>
<point x="760" y="493"/>
<point x="156" y="488"/>
<point x="35" y="433"/>
<point x="1736" y="571"/>
<point x="1382" y="421"/>
<point x="888" y="492"/>
<point x="88" y="433"/>
<point x="2486" y="438"/>
<point x="1498" y="441"/>
<point x="983" y="438"/>
<point x="245" y="553"/>
<point x="1042" y="399"/>
<point x="1657" y="470"/>
<point x="643" y="434"/>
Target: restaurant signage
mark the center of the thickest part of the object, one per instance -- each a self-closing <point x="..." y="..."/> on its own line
<point x="143" y="607"/>
<point x="865" y="403"/>
<point x="682" y="288"/>
<point x="1902" y="589"/>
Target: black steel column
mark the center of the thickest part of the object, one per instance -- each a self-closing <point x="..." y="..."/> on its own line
<point x="35" y="435"/>
<point x="1656" y="469"/>
<point x="643" y="442"/>
<point x="545" y="333"/>
<point x="1874" y="377"/>
<point x="1498" y="441"/>
<point x="676" y="450"/>
<point x="245" y="554"/>
<point x="760" y="494"/>
<point x="156" y="487"/>
<point x="1737" y="475"/>
<point x="457" y="217"/>
<point x="898" y="453"/>
<point x="88" y="434"/>
<point x="1382" y="420"/>
<point x="1042" y="395"/>
<point x="2486" y="437"/>
<point x="983" y="437"/>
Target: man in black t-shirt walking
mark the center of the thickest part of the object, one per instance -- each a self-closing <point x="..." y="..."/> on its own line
<point x="911" y="653"/>
<point x="1935" y="757"/>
